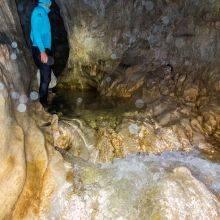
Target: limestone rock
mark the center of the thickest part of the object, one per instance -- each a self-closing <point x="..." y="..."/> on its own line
<point x="75" y="137"/>
<point x="140" y="187"/>
<point x="217" y="86"/>
<point x="191" y="94"/>
<point x="170" y="196"/>
<point x="109" y="145"/>
<point x="130" y="136"/>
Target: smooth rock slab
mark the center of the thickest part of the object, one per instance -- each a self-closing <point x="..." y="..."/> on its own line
<point x="139" y="187"/>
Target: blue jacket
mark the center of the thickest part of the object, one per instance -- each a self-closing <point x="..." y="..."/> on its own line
<point x="40" y="28"/>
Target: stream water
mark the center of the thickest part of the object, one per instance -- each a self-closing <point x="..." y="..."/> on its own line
<point x="172" y="185"/>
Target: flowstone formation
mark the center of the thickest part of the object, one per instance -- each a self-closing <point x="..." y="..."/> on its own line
<point x="140" y="187"/>
<point x="101" y="162"/>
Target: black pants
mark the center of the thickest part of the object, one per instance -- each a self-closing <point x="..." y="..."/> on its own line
<point x="45" y="74"/>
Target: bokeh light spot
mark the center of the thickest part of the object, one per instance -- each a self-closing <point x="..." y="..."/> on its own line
<point x="139" y="103"/>
<point x="113" y="56"/>
<point x="15" y="95"/>
<point x="34" y="95"/>
<point x="179" y="42"/>
<point x="13" y="56"/>
<point x="14" y="44"/>
<point x="133" y="128"/>
<point x="165" y="20"/>
<point x="20" y="7"/>
<point x="2" y="86"/>
<point x="21" y="107"/>
<point x="149" y="5"/>
<point x="79" y="101"/>
<point x="108" y="79"/>
<point x="23" y="99"/>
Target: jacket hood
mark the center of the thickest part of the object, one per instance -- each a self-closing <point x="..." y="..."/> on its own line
<point x="45" y="4"/>
<point x="45" y="1"/>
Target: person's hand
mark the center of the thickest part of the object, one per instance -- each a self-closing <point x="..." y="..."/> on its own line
<point x="43" y="57"/>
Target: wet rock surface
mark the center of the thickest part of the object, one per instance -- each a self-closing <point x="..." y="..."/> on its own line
<point x="117" y="128"/>
<point x="105" y="157"/>
<point x="140" y="187"/>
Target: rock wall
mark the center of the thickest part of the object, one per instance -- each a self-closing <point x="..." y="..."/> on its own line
<point x="26" y="170"/>
<point x="116" y="44"/>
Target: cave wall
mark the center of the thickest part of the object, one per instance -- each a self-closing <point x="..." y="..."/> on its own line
<point x="13" y="60"/>
<point x="107" y="37"/>
<point x="27" y="159"/>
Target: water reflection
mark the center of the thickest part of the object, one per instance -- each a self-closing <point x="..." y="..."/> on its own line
<point x="76" y="103"/>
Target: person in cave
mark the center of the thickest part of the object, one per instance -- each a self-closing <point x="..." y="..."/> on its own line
<point x="41" y="40"/>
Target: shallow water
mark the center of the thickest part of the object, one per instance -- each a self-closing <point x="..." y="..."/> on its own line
<point x="77" y="103"/>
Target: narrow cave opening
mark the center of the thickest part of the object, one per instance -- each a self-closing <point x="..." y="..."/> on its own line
<point x="60" y="43"/>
